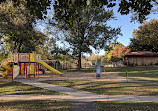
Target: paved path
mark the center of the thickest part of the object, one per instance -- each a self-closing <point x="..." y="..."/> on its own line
<point x="52" y="87"/>
<point x="85" y="100"/>
<point x="74" y="94"/>
<point x="82" y="99"/>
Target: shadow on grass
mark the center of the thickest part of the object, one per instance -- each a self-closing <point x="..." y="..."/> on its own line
<point x="34" y="105"/>
<point x="110" y="88"/>
<point x="127" y="106"/>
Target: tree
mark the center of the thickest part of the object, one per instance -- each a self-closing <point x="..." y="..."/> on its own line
<point x="139" y="8"/>
<point x="85" y="28"/>
<point x="17" y="28"/>
<point x="145" y="38"/>
<point x="118" y="53"/>
<point x="37" y="8"/>
<point x="57" y="51"/>
<point x="109" y="48"/>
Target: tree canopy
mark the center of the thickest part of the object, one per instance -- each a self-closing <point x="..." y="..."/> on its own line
<point x="109" y="48"/>
<point x="37" y="8"/>
<point x="17" y="28"/>
<point x="82" y="21"/>
<point x="85" y="28"/>
<point x="119" y="52"/>
<point x="139" y="8"/>
<point x="145" y="38"/>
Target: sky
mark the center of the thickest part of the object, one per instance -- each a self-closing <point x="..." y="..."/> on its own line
<point x="127" y="27"/>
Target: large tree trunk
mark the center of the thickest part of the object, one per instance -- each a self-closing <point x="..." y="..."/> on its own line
<point x="79" y="61"/>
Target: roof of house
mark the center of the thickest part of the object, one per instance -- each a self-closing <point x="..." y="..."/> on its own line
<point x="142" y="54"/>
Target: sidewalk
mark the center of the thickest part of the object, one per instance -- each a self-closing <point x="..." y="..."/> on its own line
<point x="104" y="98"/>
<point x="73" y="94"/>
<point x="52" y="87"/>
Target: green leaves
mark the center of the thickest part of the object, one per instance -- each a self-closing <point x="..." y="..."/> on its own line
<point x="139" y="8"/>
<point x="37" y="8"/>
<point x="85" y="26"/>
<point x="17" y="28"/>
<point x="145" y="38"/>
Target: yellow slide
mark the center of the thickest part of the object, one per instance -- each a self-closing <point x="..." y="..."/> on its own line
<point x="5" y="66"/>
<point x="49" y="67"/>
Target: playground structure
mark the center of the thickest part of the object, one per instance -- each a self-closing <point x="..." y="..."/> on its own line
<point x="25" y="63"/>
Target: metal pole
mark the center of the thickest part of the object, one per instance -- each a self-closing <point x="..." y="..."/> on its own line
<point x="38" y="69"/>
<point x="12" y="71"/>
<point x="57" y="64"/>
<point x="34" y="70"/>
<point x="20" y="68"/>
<point x="29" y="64"/>
<point x="24" y="70"/>
<point x="52" y="64"/>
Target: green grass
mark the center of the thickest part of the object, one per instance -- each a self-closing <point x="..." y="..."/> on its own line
<point x="143" y="73"/>
<point x="19" y="88"/>
<point x="34" y="105"/>
<point x="110" y="88"/>
<point x="127" y="106"/>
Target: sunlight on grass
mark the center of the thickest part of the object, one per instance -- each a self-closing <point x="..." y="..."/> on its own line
<point x="142" y="74"/>
<point x="143" y="78"/>
<point x="110" y="88"/>
<point x="19" y="88"/>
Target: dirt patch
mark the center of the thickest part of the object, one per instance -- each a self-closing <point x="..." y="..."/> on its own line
<point x="5" y="80"/>
<point x="105" y="76"/>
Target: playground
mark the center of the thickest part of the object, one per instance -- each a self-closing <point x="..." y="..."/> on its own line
<point x="73" y="90"/>
<point x="78" y="55"/>
<point x="26" y="81"/>
<point x="31" y="66"/>
<point x="25" y="65"/>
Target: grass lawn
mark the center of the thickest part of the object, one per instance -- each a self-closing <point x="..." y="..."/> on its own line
<point x="19" y="88"/>
<point x="34" y="105"/>
<point x="110" y="88"/>
<point x="127" y="106"/>
<point x="146" y="73"/>
<point x="142" y="73"/>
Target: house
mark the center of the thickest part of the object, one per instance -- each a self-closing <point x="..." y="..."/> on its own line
<point x="141" y="58"/>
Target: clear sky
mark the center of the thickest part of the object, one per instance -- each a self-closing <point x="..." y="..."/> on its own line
<point x="127" y="27"/>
